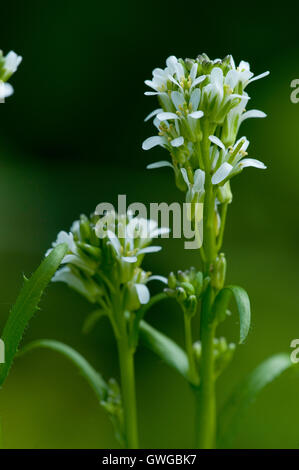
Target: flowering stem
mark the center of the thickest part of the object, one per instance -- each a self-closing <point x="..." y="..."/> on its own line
<point x="193" y="375"/>
<point x="126" y="362"/>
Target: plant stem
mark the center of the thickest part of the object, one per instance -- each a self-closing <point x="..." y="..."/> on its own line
<point x="193" y="375"/>
<point x="206" y="402"/>
<point x="222" y="226"/>
<point x="126" y="362"/>
<point x="205" y="394"/>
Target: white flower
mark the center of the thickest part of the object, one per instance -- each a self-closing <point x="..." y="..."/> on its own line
<point x="195" y="189"/>
<point x="246" y="76"/>
<point x="9" y="65"/>
<point x="12" y="61"/>
<point x="235" y="117"/>
<point x="231" y="161"/>
<point x="6" y="90"/>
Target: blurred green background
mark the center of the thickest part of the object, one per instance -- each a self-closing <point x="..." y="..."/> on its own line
<point x="71" y="137"/>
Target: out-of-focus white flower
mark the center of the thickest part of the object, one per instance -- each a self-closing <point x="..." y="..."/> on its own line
<point x="105" y="254"/>
<point x="8" y="65"/>
<point x="6" y="90"/>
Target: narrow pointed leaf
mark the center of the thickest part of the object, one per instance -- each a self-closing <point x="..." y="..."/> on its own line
<point x="245" y="394"/>
<point x="93" y="378"/>
<point x="26" y="305"/>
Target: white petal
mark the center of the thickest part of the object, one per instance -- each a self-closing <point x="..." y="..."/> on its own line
<point x="151" y="84"/>
<point x="152" y="114"/>
<point x="161" y="164"/>
<point x="158" y="278"/>
<point x="217" y="141"/>
<point x="231" y="78"/>
<point x="198" y="80"/>
<point x="143" y="293"/>
<point x="177" y="99"/>
<point x="222" y="172"/>
<point x="195" y="99"/>
<point x="166" y="116"/>
<point x="6" y="90"/>
<point x="199" y="180"/>
<point x="216" y="77"/>
<point x="196" y="114"/>
<point x="185" y="176"/>
<point x="149" y="249"/>
<point x="114" y="240"/>
<point x="129" y="259"/>
<point x="153" y="142"/>
<point x="246" y="162"/>
<point x="193" y="71"/>
<point x="236" y="95"/>
<point x="253" y="113"/>
<point x="160" y="231"/>
<point x="177" y="142"/>
<point x="262" y="75"/>
<point x="153" y="93"/>
<point x="173" y="80"/>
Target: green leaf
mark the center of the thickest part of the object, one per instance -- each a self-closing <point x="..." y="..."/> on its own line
<point x="243" y="304"/>
<point x="165" y="348"/>
<point x="94" y="379"/>
<point x="26" y="305"/>
<point x="245" y="394"/>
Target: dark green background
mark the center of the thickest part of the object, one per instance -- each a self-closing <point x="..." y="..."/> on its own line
<point x="71" y="137"/>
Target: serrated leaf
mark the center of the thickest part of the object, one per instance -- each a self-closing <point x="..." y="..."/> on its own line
<point x="243" y="305"/>
<point x="26" y="305"/>
<point x="94" y="379"/>
<point x="246" y="393"/>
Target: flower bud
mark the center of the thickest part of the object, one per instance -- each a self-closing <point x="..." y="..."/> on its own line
<point x="181" y="294"/>
<point x="172" y="281"/>
<point x="198" y="283"/>
<point x="131" y="299"/>
<point x="190" y="305"/>
<point x="188" y="287"/>
<point x="84" y="227"/>
<point x="219" y="272"/>
<point x="90" y="250"/>
<point x="224" y="194"/>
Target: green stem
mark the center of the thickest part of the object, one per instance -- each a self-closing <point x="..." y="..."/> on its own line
<point x="126" y="362"/>
<point x="193" y="374"/>
<point x="205" y="394"/>
<point x="222" y="226"/>
<point x="206" y="401"/>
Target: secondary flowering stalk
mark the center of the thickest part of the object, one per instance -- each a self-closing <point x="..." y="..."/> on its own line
<point x="103" y="263"/>
<point x="202" y="106"/>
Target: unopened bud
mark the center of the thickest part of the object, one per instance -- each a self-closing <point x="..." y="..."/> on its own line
<point x="219" y="272"/>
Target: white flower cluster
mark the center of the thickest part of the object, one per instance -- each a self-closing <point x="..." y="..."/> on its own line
<point x="202" y="99"/>
<point x="105" y="253"/>
<point x="8" y="66"/>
